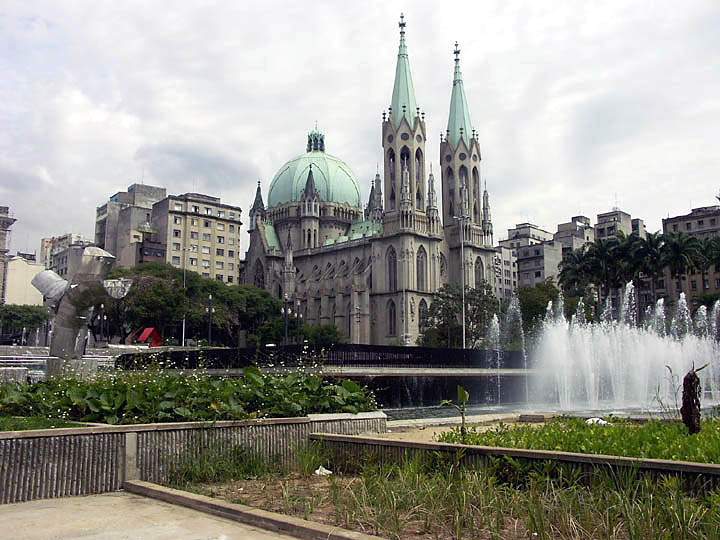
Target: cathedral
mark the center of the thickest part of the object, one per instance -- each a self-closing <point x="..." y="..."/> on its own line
<point x="372" y="271"/>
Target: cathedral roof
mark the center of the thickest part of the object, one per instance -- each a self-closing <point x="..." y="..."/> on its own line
<point x="403" y="97"/>
<point x="332" y="177"/>
<point x="459" y="124"/>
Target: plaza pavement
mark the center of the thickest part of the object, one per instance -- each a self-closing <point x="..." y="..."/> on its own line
<point x="116" y="516"/>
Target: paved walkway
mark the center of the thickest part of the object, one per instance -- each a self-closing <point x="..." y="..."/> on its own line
<point x="115" y="516"/>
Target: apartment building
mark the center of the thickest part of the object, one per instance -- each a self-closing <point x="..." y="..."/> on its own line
<point x="574" y="234"/>
<point x="525" y="234"/>
<point x="200" y="233"/>
<point x="62" y="254"/>
<point x="703" y="222"/>
<point x="506" y="279"/>
<point x="609" y="224"/>
<point x="538" y="262"/>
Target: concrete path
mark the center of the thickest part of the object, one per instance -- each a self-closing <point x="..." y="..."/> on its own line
<point x="115" y="516"/>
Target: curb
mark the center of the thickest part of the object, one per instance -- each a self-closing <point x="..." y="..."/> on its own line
<point x="262" y="519"/>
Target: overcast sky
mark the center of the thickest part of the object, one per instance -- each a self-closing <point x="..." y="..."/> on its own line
<point x="577" y="104"/>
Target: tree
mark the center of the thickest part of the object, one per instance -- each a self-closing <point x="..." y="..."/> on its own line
<point x="534" y="301"/>
<point x="575" y="271"/>
<point x="444" y="325"/>
<point x="603" y="265"/>
<point x="324" y="335"/>
<point x="649" y="252"/>
<point x="680" y="254"/>
<point x="13" y="318"/>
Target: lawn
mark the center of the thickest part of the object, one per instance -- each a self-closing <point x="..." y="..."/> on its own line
<point x="653" y="439"/>
<point x="156" y="396"/>
<point x="15" y="423"/>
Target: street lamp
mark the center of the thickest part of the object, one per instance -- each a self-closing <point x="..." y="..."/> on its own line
<point x="462" y="220"/>
<point x="102" y="314"/>
<point x="287" y="312"/>
<point x="209" y="310"/>
<point x="184" y="256"/>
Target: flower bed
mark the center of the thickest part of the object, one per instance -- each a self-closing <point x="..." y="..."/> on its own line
<point x="653" y="439"/>
<point x="155" y="396"/>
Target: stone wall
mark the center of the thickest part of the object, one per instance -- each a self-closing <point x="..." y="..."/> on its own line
<point x="43" y="464"/>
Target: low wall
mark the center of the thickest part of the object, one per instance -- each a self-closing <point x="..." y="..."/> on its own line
<point x="351" y="450"/>
<point x="41" y="464"/>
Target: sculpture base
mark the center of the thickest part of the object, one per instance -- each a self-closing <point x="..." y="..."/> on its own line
<point x="80" y="368"/>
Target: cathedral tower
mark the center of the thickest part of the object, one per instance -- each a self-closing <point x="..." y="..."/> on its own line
<point x="403" y="132"/>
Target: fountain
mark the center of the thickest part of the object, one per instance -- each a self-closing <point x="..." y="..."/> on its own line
<point x="493" y="345"/>
<point x="618" y="364"/>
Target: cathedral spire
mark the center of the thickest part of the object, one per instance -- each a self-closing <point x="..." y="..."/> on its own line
<point x="431" y="195"/>
<point x="459" y="123"/>
<point x="258" y="203"/>
<point x="403" y="103"/>
<point x="310" y="192"/>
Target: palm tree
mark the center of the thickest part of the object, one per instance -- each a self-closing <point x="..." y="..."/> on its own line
<point x="603" y="264"/>
<point x="704" y="259"/>
<point x="574" y="270"/>
<point x="680" y="254"/>
<point x="649" y="251"/>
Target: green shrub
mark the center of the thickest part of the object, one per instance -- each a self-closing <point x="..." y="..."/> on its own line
<point x="145" y="397"/>
<point x="654" y="439"/>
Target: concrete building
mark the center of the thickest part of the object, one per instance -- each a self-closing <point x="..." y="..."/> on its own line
<point x="372" y="272"/>
<point x="122" y="224"/>
<point x="611" y="223"/>
<point x="6" y="223"/>
<point x="538" y="262"/>
<point x="506" y="276"/>
<point x="703" y="222"/>
<point x="199" y="233"/>
<point x="574" y="234"/>
<point x="18" y="289"/>
<point x="62" y="253"/>
<point x="525" y="234"/>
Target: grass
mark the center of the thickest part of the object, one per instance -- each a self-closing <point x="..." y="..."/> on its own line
<point x="436" y="500"/>
<point x="654" y="439"/>
<point x="16" y="423"/>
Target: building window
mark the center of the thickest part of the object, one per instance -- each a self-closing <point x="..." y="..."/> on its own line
<point x="423" y="315"/>
<point x="177" y="233"/>
<point x="177" y="220"/>
<point x="479" y="273"/>
<point x="231" y="241"/>
<point x="701" y="223"/>
<point x="219" y="265"/>
<point x="392" y="318"/>
<point x="176" y="246"/>
<point x="205" y="250"/>
<point x="231" y="228"/>
<point x="196" y="209"/>
<point x="207" y="237"/>
<point x="538" y="274"/>
<point x="220" y="239"/>
<point x="220" y="252"/>
<point x="208" y="211"/>
<point x="194" y="222"/>
<point x="193" y="235"/>
<point x="231" y="266"/>
<point x="231" y="253"/>
<point x="176" y="261"/>
<point x="688" y="226"/>
<point x="230" y="279"/>
<point x="221" y="213"/>
<point x="193" y="261"/>
<point x="206" y="274"/>
<point x="232" y="215"/>
<point x="391" y="270"/>
<point x="193" y="248"/>
<point x="207" y="223"/>
<point x="178" y="207"/>
<point x="205" y="263"/>
<point x="220" y="226"/>
<point x="219" y="277"/>
<point x="712" y="221"/>
<point x="421" y="269"/>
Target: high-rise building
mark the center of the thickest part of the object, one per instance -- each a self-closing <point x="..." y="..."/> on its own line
<point x="122" y="224"/>
<point x="525" y="234"/>
<point x="609" y="224"/>
<point x="199" y="233"/>
<point x="538" y="262"/>
<point x="6" y="223"/>
<point x="506" y="276"/>
<point x="574" y="234"/>
<point x="62" y="254"/>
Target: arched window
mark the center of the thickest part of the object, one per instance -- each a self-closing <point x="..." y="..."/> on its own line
<point x="443" y="265"/>
<point x="259" y="275"/>
<point x="449" y="181"/>
<point x="423" y="315"/>
<point x="463" y="177"/>
<point x="419" y="179"/>
<point x="476" y="193"/>
<point x="392" y="318"/>
<point x="479" y="273"/>
<point x="391" y="269"/>
<point x="391" y="168"/>
<point x="421" y="269"/>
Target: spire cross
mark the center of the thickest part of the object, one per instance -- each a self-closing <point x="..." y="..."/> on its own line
<point x="401" y="24"/>
<point x="456" y="52"/>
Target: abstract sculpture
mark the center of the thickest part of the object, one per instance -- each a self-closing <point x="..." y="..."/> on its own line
<point x="73" y="303"/>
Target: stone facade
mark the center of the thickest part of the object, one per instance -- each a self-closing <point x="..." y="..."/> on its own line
<point x="6" y="222"/>
<point x="372" y="272"/>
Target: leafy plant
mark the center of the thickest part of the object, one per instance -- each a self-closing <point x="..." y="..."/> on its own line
<point x="463" y="397"/>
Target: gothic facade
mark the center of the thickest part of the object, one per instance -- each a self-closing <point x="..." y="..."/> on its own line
<point x="372" y="271"/>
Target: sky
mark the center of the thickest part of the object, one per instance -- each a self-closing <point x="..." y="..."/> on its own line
<point x="580" y="106"/>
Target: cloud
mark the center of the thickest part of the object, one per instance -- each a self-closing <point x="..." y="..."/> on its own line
<point x="574" y="102"/>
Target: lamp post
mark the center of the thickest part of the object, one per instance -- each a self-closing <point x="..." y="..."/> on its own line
<point x="209" y="310"/>
<point x="184" y="295"/>
<point x="102" y="314"/>
<point x="462" y="220"/>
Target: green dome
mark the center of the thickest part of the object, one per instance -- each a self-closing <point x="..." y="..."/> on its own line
<point x="333" y="178"/>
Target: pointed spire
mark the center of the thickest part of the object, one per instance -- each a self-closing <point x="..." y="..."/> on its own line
<point x="431" y="195"/>
<point x="403" y="103"/>
<point x="310" y="191"/>
<point x="258" y="203"/>
<point x="289" y="250"/>
<point x="459" y="123"/>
